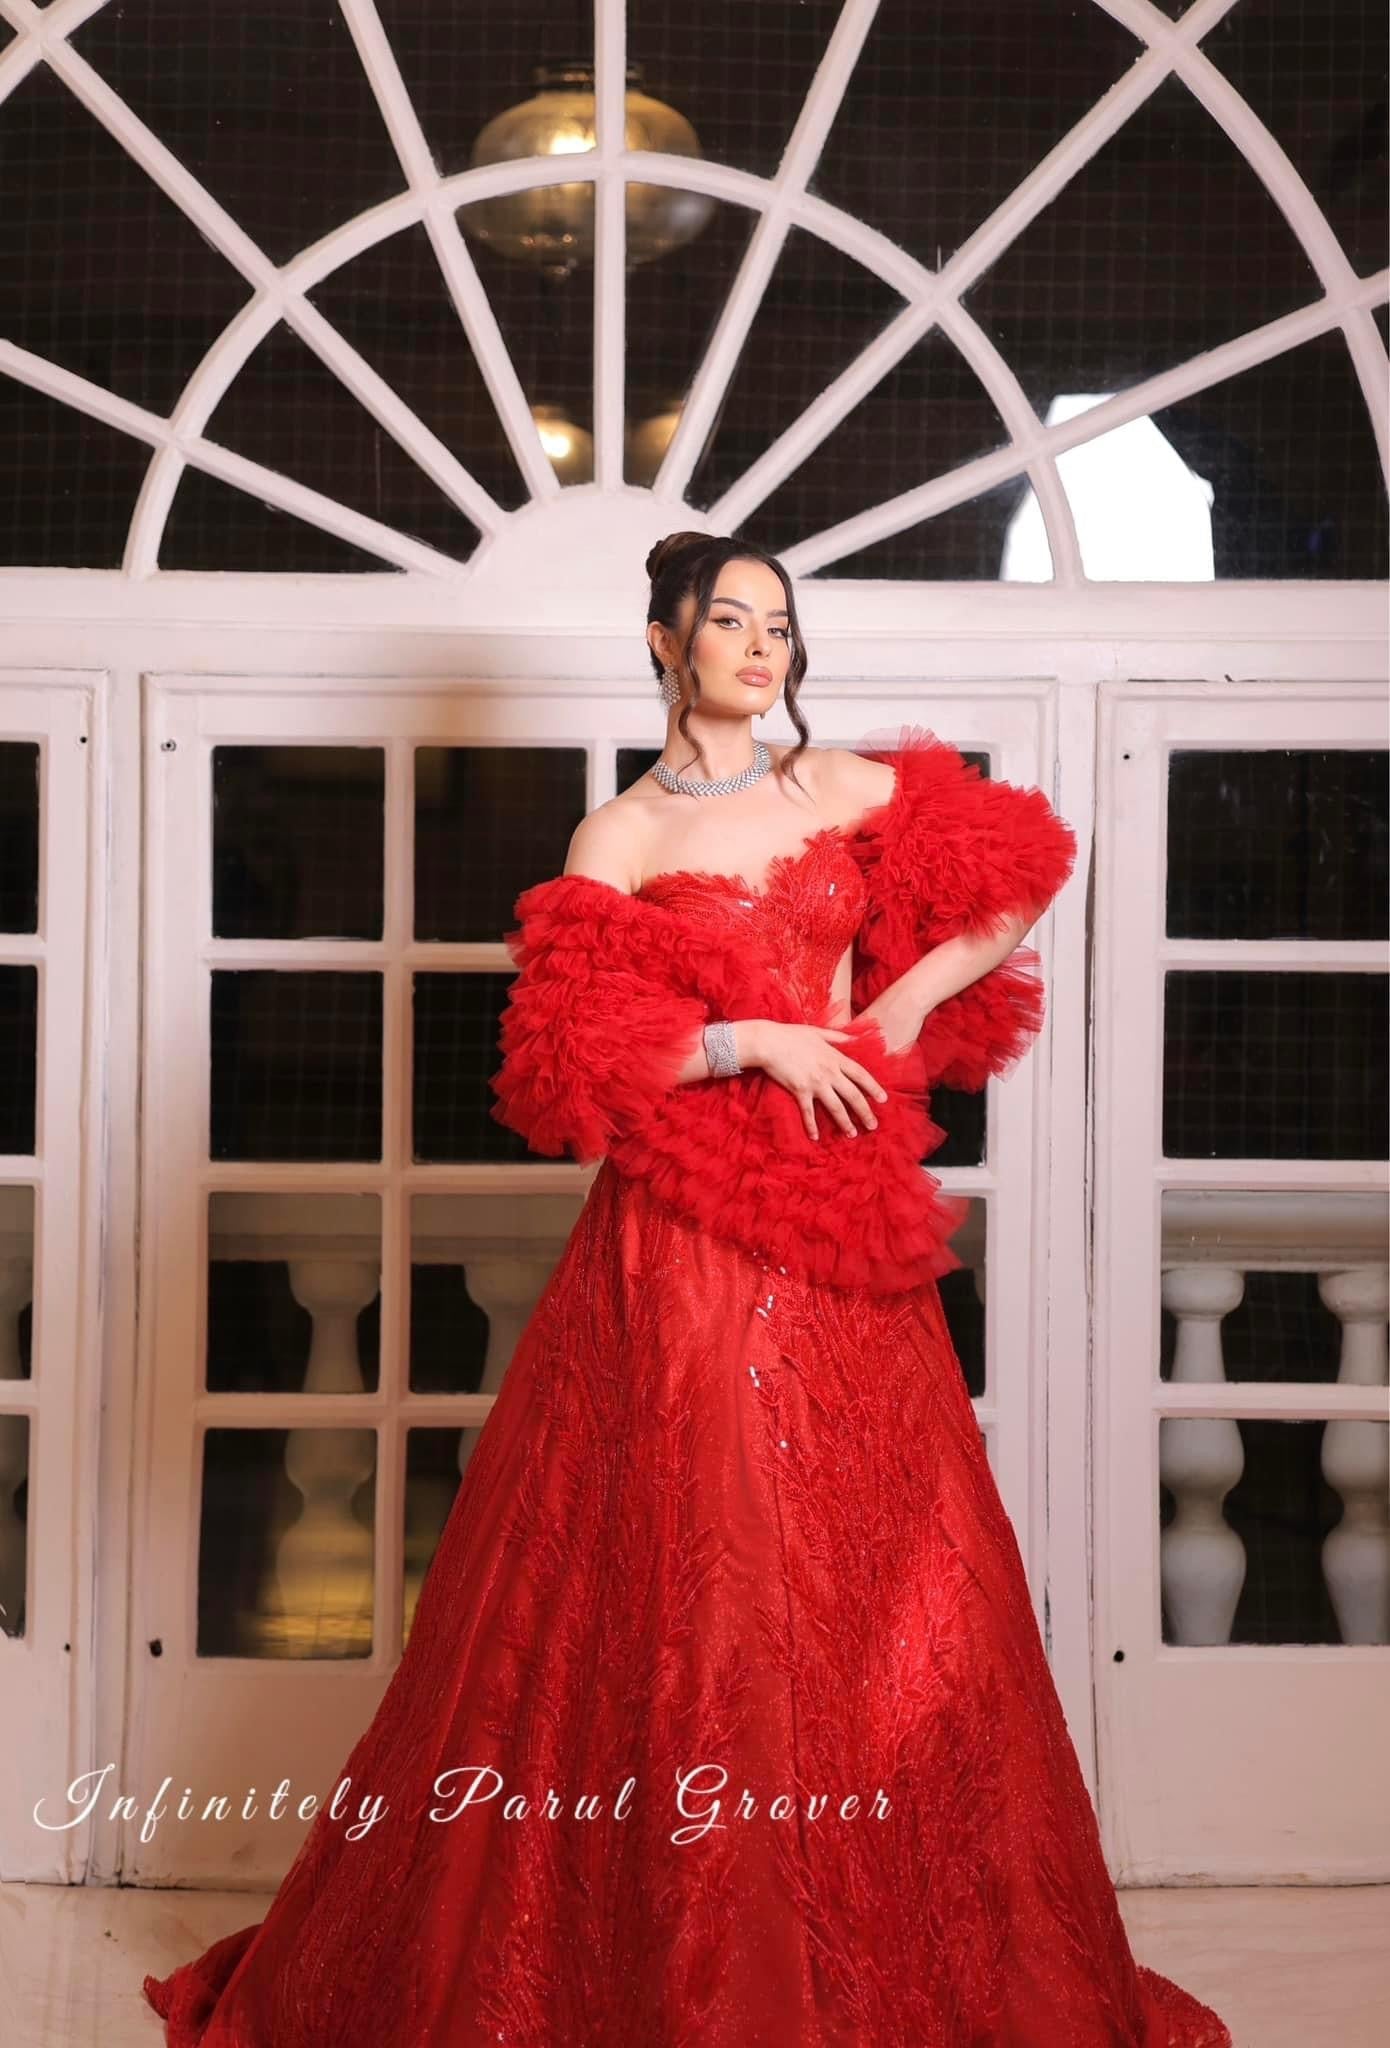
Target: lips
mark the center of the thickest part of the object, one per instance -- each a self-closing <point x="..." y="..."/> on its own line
<point x="755" y="675"/>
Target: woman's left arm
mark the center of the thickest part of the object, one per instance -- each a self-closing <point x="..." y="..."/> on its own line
<point x="905" y="1005"/>
<point x="958" y="867"/>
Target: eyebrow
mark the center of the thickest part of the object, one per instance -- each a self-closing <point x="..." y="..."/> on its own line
<point x="778" y="614"/>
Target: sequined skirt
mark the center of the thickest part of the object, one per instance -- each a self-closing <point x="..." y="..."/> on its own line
<point x="724" y="1720"/>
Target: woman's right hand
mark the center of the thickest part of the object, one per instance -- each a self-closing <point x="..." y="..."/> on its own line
<point x="807" y="1062"/>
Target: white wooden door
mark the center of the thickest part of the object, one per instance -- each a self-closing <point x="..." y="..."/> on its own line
<point x="50" y="1149"/>
<point x="340" y="1247"/>
<point x="1242" y="1536"/>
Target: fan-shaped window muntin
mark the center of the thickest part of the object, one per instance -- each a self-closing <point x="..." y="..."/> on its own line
<point x="1166" y="50"/>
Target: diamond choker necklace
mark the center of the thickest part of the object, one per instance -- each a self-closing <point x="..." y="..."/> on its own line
<point x="723" y="785"/>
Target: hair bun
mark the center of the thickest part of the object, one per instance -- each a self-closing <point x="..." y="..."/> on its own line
<point x="660" y="557"/>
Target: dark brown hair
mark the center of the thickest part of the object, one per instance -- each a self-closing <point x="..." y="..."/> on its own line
<point x="689" y="562"/>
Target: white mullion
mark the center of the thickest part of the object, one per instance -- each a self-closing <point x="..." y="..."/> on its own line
<point x="1267" y="1176"/>
<point x="399" y="420"/>
<point x="338" y="1411"/>
<point x="35" y="32"/>
<point x="1199" y="373"/>
<point x="1272" y="1400"/>
<point x="197" y="204"/>
<point x="721" y="358"/>
<point x="1272" y="955"/>
<point x="388" y="1559"/>
<point x="475" y="314"/>
<point x="609" y="310"/>
<point x="931" y="291"/>
<point x="490" y="350"/>
<point x="937" y="292"/>
<point x="17" y="62"/>
<point x="1305" y="217"/>
<point x="252" y="477"/>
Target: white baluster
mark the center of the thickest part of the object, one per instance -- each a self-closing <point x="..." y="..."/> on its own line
<point x="506" y="1285"/>
<point x="323" y="1563"/>
<point x="16" y="1288"/>
<point x="1200" y="1458"/>
<point x="1356" y="1462"/>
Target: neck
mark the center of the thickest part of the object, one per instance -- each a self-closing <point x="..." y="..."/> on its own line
<point x="726" y="744"/>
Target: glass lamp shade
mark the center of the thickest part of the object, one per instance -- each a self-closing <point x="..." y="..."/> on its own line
<point x="569" y="446"/>
<point x="551" y="227"/>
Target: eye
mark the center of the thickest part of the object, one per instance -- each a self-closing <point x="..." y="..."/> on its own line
<point x="729" y="621"/>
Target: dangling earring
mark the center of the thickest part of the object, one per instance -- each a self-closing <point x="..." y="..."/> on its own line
<point x="670" y="687"/>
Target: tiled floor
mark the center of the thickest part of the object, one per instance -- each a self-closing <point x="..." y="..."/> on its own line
<point x="1287" y="1968"/>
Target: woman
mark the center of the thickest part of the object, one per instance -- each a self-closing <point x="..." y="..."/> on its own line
<point x="725" y="1719"/>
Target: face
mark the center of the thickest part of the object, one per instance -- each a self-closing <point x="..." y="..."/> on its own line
<point x="747" y="628"/>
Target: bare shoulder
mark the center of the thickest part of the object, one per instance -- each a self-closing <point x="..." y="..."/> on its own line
<point x="606" y="845"/>
<point x="851" y="782"/>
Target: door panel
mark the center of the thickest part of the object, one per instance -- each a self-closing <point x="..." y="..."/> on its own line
<point x="1242" y="1540"/>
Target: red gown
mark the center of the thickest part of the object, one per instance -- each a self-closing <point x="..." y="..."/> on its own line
<point x="728" y="1539"/>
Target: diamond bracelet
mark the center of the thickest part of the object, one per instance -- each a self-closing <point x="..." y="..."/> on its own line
<point x="720" y="1049"/>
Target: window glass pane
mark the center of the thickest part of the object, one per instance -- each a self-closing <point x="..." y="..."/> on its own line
<point x="297" y="842"/>
<point x="19" y="836"/>
<point x="740" y="74"/>
<point x="14" y="1518"/>
<point x="1277" y="1572"/>
<point x="1274" y="1065"/>
<point x="393" y="305"/>
<point x="929" y="415"/>
<point x="1067" y="304"/>
<point x="1281" y="843"/>
<point x="819" y="311"/>
<point x="16" y="1283"/>
<point x="963" y="1298"/>
<point x="947" y="112"/>
<point x="456" y="1023"/>
<point x="212" y="525"/>
<point x="546" y="322"/>
<point x="294" y="1293"/>
<point x="288" y="411"/>
<point x="286" y="1543"/>
<point x="964" y="1118"/>
<point x="673" y="306"/>
<point x="479" y="1264"/>
<point x="1315" y="75"/>
<point x="71" y="483"/>
<point x="296" y="1065"/>
<point x="465" y="64"/>
<point x="993" y="535"/>
<point x="449" y="1328"/>
<point x="489" y="821"/>
<point x="1235" y="1305"/>
<point x="269" y="107"/>
<point x="432" y="1475"/>
<point x="100" y="272"/>
<point x="633" y="762"/>
<point x="19" y="1011"/>
<point x="1269" y="474"/>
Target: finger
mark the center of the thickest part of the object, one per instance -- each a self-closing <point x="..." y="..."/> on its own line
<point x="860" y="1102"/>
<point x="838" y="1111"/>
<point x="808" y="1111"/>
<point x="863" y="1074"/>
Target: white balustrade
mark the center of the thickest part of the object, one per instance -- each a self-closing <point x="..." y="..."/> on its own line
<point x="320" y="1592"/>
<point x="1356" y="1463"/>
<point x="1201" y="1558"/>
<point x="1211" y="1241"/>
<point x="323" y="1561"/>
<point x="16" y="1289"/>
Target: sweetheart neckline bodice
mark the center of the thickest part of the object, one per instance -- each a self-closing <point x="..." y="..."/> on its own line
<point x="779" y="868"/>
